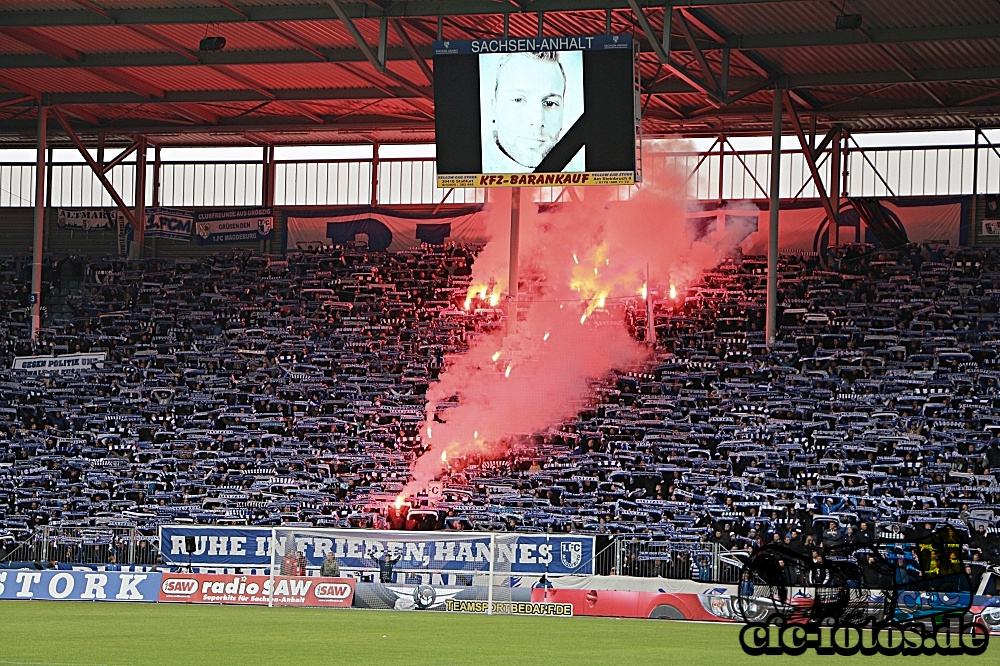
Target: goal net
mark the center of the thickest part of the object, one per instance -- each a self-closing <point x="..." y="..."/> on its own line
<point x="469" y="571"/>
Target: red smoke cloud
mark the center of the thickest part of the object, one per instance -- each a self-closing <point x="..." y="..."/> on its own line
<point x="590" y="252"/>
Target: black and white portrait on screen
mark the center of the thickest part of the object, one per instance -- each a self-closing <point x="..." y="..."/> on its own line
<point x="528" y="102"/>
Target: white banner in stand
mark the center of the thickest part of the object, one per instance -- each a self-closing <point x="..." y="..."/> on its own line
<point x="89" y="219"/>
<point x="37" y="365"/>
<point x="991" y="228"/>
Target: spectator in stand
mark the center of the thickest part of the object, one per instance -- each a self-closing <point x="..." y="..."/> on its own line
<point x="542" y="582"/>
<point x="906" y="572"/>
<point x="290" y="566"/>
<point x="330" y="567"/>
<point x="386" y="563"/>
<point x="291" y="388"/>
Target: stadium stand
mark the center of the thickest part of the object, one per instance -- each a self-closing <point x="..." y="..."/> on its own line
<point x="264" y="390"/>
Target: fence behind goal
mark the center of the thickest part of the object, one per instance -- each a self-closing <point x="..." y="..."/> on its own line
<point x="405" y="570"/>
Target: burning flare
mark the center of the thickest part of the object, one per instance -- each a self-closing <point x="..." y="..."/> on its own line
<point x="565" y="257"/>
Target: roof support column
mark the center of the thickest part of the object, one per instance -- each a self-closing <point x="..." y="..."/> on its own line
<point x="663" y="54"/>
<point x="352" y="29"/>
<point x="35" y="298"/>
<point x="48" y="198"/>
<point x="835" y="188"/>
<point x="397" y="25"/>
<point x="810" y="158"/>
<point x="383" y="39"/>
<point x="975" y="188"/>
<point x="100" y="151"/>
<point x="157" y="167"/>
<point x="267" y="194"/>
<point x="98" y="171"/>
<point x="722" y="164"/>
<point x="139" y="242"/>
<point x="374" y="199"/>
<point x="772" y="239"/>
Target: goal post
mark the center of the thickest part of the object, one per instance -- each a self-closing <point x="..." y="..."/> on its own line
<point x="399" y="570"/>
<point x="493" y="550"/>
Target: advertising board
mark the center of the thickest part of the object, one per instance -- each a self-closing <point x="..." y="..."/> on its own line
<point x="56" y="585"/>
<point x="256" y="590"/>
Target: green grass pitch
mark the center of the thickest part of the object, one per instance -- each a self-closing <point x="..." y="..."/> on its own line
<point x="61" y="633"/>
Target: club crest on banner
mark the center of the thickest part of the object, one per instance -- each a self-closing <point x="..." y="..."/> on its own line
<point x="571" y="554"/>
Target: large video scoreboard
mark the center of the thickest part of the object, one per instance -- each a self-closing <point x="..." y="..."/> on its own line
<point x="535" y="111"/>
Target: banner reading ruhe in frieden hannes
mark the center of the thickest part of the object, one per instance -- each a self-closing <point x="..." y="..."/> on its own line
<point x="249" y="547"/>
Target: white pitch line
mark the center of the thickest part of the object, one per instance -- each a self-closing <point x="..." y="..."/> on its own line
<point x="54" y="663"/>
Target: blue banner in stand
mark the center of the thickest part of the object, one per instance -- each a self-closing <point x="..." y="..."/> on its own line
<point x="249" y="547"/>
<point x="172" y="223"/>
<point x="234" y="226"/>
<point x="56" y="585"/>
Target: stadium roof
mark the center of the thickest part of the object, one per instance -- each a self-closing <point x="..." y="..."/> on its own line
<point x="344" y="71"/>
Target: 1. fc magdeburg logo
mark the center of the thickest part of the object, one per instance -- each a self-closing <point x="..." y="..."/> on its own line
<point x="571" y="553"/>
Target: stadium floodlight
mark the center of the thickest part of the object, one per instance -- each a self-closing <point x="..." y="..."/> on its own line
<point x="849" y="21"/>
<point x="212" y="44"/>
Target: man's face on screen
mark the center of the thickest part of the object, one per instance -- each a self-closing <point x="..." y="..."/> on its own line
<point x="529" y="107"/>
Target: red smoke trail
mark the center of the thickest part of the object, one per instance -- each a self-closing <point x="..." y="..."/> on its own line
<point x="587" y="253"/>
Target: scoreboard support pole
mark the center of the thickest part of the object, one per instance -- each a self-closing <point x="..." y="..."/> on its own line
<point x="771" y="327"/>
<point x="515" y="246"/>
<point x="270" y="571"/>
<point x="650" y="319"/>
<point x="493" y="559"/>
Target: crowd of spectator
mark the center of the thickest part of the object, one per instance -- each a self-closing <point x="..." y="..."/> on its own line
<point x="263" y="390"/>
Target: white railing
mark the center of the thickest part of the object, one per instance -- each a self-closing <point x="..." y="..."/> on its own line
<point x="722" y="175"/>
<point x="75" y="186"/>
<point x="17" y="185"/>
<point x="322" y="182"/>
<point x="414" y="181"/>
<point x="234" y="183"/>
